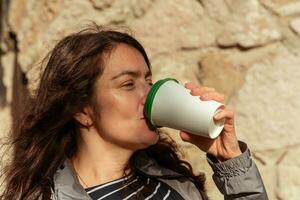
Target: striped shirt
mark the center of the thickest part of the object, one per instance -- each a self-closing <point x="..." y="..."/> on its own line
<point x="133" y="187"/>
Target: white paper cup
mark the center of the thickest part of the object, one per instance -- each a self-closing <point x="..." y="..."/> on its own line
<point x="169" y="104"/>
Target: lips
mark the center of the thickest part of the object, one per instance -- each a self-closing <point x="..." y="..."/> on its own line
<point x="150" y="126"/>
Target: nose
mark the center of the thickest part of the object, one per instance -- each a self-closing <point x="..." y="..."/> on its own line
<point x="146" y="90"/>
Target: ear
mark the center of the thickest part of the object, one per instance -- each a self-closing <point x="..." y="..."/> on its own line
<point x="84" y="117"/>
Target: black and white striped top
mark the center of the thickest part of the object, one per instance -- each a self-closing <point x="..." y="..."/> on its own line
<point x="133" y="187"/>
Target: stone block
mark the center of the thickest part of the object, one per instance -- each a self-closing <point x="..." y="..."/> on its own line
<point x="8" y="62"/>
<point x="102" y="4"/>
<point x="291" y="158"/>
<point x="174" y="66"/>
<point x="288" y="182"/>
<point x="289" y="9"/>
<point x="182" y="25"/>
<point x="217" y="9"/>
<point x="141" y="7"/>
<point x="217" y="71"/>
<point x="282" y="7"/>
<point x="295" y="25"/>
<point x="5" y="118"/>
<point x="267" y="106"/>
<point x="248" y="26"/>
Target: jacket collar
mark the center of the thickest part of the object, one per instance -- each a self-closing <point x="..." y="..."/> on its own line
<point x="149" y="166"/>
<point x="66" y="183"/>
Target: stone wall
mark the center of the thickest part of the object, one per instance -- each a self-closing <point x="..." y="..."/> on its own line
<point x="247" y="49"/>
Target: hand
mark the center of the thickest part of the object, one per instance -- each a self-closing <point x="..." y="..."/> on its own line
<point x="225" y="146"/>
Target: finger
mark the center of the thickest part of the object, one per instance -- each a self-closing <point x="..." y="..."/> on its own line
<point x="189" y="85"/>
<point x="189" y="137"/>
<point x="213" y="96"/>
<point x="185" y="136"/>
<point x="202" y="142"/>
<point x="200" y="90"/>
<point x="222" y="113"/>
<point x="226" y="114"/>
<point x="196" y="89"/>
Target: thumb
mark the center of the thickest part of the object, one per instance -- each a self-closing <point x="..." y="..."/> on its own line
<point x="185" y="136"/>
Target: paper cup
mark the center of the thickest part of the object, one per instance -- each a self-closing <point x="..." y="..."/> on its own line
<point x="169" y="104"/>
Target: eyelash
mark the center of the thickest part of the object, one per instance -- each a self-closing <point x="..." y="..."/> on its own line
<point x="128" y="85"/>
<point x="131" y="86"/>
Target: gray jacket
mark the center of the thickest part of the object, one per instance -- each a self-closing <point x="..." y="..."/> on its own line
<point x="237" y="178"/>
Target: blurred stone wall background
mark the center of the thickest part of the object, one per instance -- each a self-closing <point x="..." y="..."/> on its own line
<point x="247" y="49"/>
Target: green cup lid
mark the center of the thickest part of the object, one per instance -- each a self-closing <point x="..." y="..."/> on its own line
<point x="151" y="96"/>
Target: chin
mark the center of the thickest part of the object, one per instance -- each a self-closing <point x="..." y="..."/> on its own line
<point x="149" y="138"/>
<point x="154" y="137"/>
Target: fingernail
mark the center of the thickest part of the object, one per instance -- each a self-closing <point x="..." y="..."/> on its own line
<point x="217" y="115"/>
<point x="203" y="97"/>
<point x="188" y="85"/>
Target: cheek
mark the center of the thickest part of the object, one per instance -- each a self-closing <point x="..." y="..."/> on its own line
<point x="119" y="107"/>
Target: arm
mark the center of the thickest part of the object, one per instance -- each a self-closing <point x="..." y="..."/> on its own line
<point x="238" y="178"/>
<point x="236" y="174"/>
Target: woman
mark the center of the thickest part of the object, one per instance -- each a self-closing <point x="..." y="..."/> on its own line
<point x="84" y="135"/>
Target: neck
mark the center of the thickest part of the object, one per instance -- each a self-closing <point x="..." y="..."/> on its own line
<point x="98" y="161"/>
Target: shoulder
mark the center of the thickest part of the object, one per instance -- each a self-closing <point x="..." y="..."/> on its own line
<point x="180" y="183"/>
<point x="66" y="184"/>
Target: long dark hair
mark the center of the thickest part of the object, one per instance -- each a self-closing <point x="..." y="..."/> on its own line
<point x="47" y="134"/>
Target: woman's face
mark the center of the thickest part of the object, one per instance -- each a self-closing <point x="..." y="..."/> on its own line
<point x="120" y="95"/>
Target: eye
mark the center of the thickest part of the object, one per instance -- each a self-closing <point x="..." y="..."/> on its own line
<point x="128" y="85"/>
<point x="149" y="82"/>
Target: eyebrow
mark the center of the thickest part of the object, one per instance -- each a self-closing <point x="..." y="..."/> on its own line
<point x="131" y="73"/>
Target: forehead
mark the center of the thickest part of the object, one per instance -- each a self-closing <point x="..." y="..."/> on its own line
<point x="124" y="57"/>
